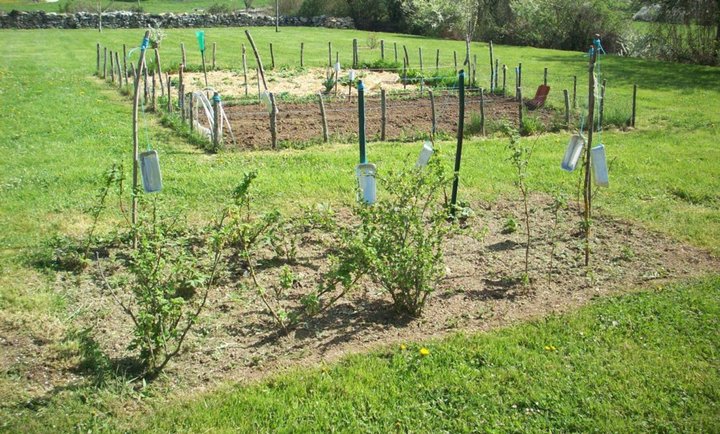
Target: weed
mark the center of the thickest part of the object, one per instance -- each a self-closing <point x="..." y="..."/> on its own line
<point x="510" y="226"/>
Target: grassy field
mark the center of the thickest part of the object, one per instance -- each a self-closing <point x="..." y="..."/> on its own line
<point x="150" y="6"/>
<point x="59" y="138"/>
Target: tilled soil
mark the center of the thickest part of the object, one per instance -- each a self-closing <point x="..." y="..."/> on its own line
<point x="406" y="119"/>
<point x="236" y="340"/>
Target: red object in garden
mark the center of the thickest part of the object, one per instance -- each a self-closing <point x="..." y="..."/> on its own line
<point x="540" y="97"/>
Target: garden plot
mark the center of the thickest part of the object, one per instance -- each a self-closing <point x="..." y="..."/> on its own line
<point x="235" y="338"/>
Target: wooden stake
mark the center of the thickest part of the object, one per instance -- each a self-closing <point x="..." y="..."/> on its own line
<point x="214" y="52"/>
<point x="382" y="49"/>
<point x="153" y="99"/>
<point x="272" y="57"/>
<point x="455" y="60"/>
<point x="492" y="72"/>
<point x="587" y="190"/>
<point x="601" y="115"/>
<point x="355" y="54"/>
<point x="420" y="56"/>
<point x="146" y="83"/>
<point x="191" y="113"/>
<point x="330" y="64"/>
<point x="97" y="68"/>
<point x="112" y="68"/>
<point x="182" y="51"/>
<point x="136" y="103"/>
<point x="566" y="96"/>
<point x="324" y="118"/>
<point x="519" y="76"/>
<point x="302" y="54"/>
<point x="433" y="119"/>
<point x="520" y="109"/>
<point x="407" y="58"/>
<point x="495" y="84"/>
<point x="504" y="88"/>
<point x="105" y="51"/>
<point x="244" y="65"/>
<point x="217" y="132"/>
<point x="261" y="72"/>
<point x="277" y="16"/>
<point x="181" y="102"/>
<point x="383" y="114"/>
<point x="395" y="48"/>
<point x="125" y="69"/>
<point x="119" y="70"/>
<point x="634" y="106"/>
<point x="482" y="111"/>
<point x="158" y="69"/>
<point x="545" y="76"/>
<point x="574" y="99"/>
<point x="273" y="121"/>
<point x="169" y="93"/>
<point x="202" y="57"/>
<point x="437" y="60"/>
<point x="181" y="80"/>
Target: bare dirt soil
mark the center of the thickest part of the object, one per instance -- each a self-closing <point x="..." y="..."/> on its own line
<point x="406" y="119"/>
<point x="235" y="339"/>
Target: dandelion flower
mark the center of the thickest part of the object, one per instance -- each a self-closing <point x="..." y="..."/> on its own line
<point x="424" y="352"/>
<point x="403" y="347"/>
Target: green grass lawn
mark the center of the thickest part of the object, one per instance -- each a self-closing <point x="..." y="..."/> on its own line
<point x="61" y="129"/>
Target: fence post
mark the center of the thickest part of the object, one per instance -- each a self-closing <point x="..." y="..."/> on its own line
<point x="330" y="64"/>
<point x="105" y="51"/>
<point x="118" y="65"/>
<point x="382" y="49"/>
<point x="383" y="114"/>
<point x="495" y="84"/>
<point x="125" y="69"/>
<point x="395" y="48"/>
<point x="567" y="106"/>
<point x="169" y="93"/>
<point x="460" y="133"/>
<point x="545" y="76"/>
<point x="324" y="118"/>
<point x="191" y="113"/>
<point x="244" y="65"/>
<point x="182" y="51"/>
<point x="97" y="68"/>
<point x="437" y="61"/>
<point x="634" y="106"/>
<point x="601" y="115"/>
<point x="504" y="80"/>
<point x="432" y="112"/>
<point x="302" y="54"/>
<point x="455" y="60"/>
<point x="574" y="92"/>
<point x="482" y="111"/>
<point x="153" y="99"/>
<point x="272" y="57"/>
<point x="181" y="102"/>
<point x="520" y="109"/>
<point x="355" y="54"/>
<point x="273" y="121"/>
<point x="112" y="68"/>
<point x="361" y="121"/>
<point x="492" y="72"/>
<point x="217" y="138"/>
<point x="159" y="71"/>
<point x="213" y="55"/>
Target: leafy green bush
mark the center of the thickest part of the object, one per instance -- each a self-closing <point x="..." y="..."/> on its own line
<point x="219" y="9"/>
<point x="402" y="235"/>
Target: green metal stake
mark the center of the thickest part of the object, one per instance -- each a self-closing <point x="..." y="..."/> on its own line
<point x="458" y="151"/>
<point x="361" y="120"/>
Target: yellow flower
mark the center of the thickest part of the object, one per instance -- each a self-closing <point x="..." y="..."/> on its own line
<point x="547" y="348"/>
<point x="403" y="347"/>
<point x="424" y="352"/>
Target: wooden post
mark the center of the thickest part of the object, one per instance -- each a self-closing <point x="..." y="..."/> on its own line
<point x="181" y="82"/>
<point x="273" y="121"/>
<point x="566" y="96"/>
<point x="217" y="132"/>
<point x="395" y="48"/>
<point x="136" y="103"/>
<point x="112" y="68"/>
<point x="520" y="110"/>
<point x="202" y="57"/>
<point x="383" y="114"/>
<point x="492" y="72"/>
<point x="574" y="99"/>
<point x="169" y="93"/>
<point x="455" y="60"/>
<point x="118" y="65"/>
<point x="214" y="52"/>
<point x="634" y="106"/>
<point x="495" y="84"/>
<point x="272" y="57"/>
<point x="504" y="88"/>
<point x="277" y="16"/>
<point x="420" y="56"/>
<point x="146" y="83"/>
<point x="181" y="102"/>
<point x="158" y="70"/>
<point x="422" y="79"/>
<point x="474" y="70"/>
<point x="191" y="113"/>
<point x="433" y="119"/>
<point x="124" y="63"/>
<point x="257" y="78"/>
<point x="519" y="76"/>
<point x="482" y="111"/>
<point x="324" y="118"/>
<point x="587" y="191"/>
<point x="97" y="68"/>
<point x="134" y="73"/>
<point x="261" y="72"/>
<point x="545" y="76"/>
<point x="355" y="54"/>
<point x="404" y="76"/>
<point x="105" y="51"/>
<point x="437" y="61"/>
<point x="182" y="51"/>
<point x="302" y="54"/>
<point x="330" y="64"/>
<point x="244" y="65"/>
<point x="601" y="115"/>
<point x="382" y="49"/>
<point x="153" y="99"/>
<point x="407" y="58"/>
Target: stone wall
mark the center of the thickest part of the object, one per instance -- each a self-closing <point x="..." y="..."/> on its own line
<point x="127" y="19"/>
